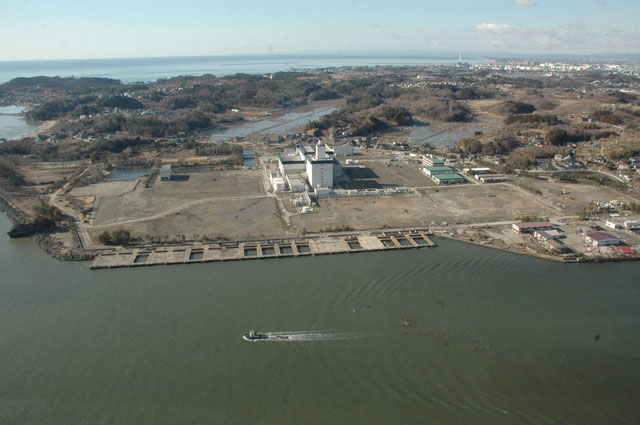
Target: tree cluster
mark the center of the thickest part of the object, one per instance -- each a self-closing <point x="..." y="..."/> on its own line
<point x="116" y="237"/>
<point x="449" y="111"/>
<point x="517" y="108"/>
<point x="46" y="220"/>
<point x="532" y="119"/>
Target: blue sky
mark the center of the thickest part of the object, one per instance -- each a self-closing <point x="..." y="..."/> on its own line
<point x="56" y="29"/>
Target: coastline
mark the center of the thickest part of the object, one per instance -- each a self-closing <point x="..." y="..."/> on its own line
<point x="58" y="250"/>
<point x="42" y="127"/>
<point x="47" y="242"/>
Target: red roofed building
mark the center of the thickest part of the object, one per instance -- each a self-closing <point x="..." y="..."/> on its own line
<point x="599" y="239"/>
<point x="625" y="249"/>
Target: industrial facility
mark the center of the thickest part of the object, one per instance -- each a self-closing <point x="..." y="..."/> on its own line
<point x="317" y="162"/>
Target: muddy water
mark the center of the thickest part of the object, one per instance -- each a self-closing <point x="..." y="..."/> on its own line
<point x="494" y="338"/>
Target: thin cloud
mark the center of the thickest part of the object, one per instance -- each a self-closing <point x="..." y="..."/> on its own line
<point x="527" y="3"/>
<point x="573" y="37"/>
<point x="490" y="27"/>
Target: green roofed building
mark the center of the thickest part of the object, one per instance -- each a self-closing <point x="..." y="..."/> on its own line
<point x="451" y="178"/>
<point x="442" y="169"/>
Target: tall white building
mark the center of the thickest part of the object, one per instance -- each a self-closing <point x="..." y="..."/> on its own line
<point x="317" y="161"/>
<point x="320" y="167"/>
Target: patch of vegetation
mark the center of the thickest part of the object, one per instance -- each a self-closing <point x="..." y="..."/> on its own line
<point x="121" y="102"/>
<point x="557" y="137"/>
<point x="46" y="220"/>
<point x="59" y="83"/>
<point x="449" y="111"/>
<point x="116" y="237"/>
<point x="622" y="97"/>
<point x="11" y="176"/>
<point x="342" y="228"/>
<point x="532" y="119"/>
<point x="397" y="114"/>
<point x="516" y="108"/>
<point x="625" y="153"/>
<point x="367" y="125"/>
<point x="500" y="146"/>
<point x="57" y="108"/>
<point x="606" y="117"/>
<point x="524" y="158"/>
<point x="601" y="180"/>
<point x="529" y="219"/>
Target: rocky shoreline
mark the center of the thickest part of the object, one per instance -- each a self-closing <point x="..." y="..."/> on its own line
<point x="57" y="250"/>
<point x="46" y="242"/>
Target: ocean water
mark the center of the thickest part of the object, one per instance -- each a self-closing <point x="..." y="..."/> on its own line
<point x="12" y="123"/>
<point x="151" y="69"/>
<point x="494" y="338"/>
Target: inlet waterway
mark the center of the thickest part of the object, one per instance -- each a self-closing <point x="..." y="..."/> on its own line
<point x="495" y="338"/>
<point x="284" y="124"/>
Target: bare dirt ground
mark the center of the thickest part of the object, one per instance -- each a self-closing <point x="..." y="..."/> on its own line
<point x="386" y="172"/>
<point x="228" y="204"/>
<point x="466" y="203"/>
<point x="112" y="188"/>
<point x="167" y="196"/>
<point x="45" y="172"/>
<point x="225" y="218"/>
<point x="576" y="196"/>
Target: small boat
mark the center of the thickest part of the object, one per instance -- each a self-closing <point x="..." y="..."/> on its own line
<point x="282" y="336"/>
<point x="255" y="336"/>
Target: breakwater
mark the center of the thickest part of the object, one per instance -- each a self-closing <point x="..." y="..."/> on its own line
<point x="262" y="249"/>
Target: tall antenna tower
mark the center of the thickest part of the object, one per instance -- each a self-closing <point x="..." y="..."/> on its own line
<point x="460" y="57"/>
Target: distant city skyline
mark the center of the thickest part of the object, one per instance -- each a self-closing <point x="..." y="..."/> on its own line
<point x="57" y="29"/>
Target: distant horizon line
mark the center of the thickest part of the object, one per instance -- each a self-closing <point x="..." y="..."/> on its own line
<point x="359" y="53"/>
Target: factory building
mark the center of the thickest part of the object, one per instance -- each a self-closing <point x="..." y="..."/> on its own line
<point x="344" y="150"/>
<point x="320" y="167"/>
<point x="432" y="161"/>
<point x="296" y="182"/>
<point x="447" y="178"/>
<point x="431" y="171"/>
<point x="166" y="171"/>
<point x="599" y="239"/>
<point x="318" y="162"/>
<point x="531" y="226"/>
<point x="491" y="178"/>
<point x="477" y="171"/>
<point x="291" y="161"/>
<point x="277" y="182"/>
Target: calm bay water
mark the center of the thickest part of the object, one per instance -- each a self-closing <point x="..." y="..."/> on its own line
<point x="13" y="125"/>
<point x="496" y="339"/>
<point x="151" y="69"/>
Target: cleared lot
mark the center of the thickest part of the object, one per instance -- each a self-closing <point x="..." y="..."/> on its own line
<point x="165" y="197"/>
<point x="385" y="173"/>
<point x="233" y="219"/>
<point x="576" y="195"/>
<point x="227" y="204"/>
<point x="465" y="203"/>
<point x="45" y="172"/>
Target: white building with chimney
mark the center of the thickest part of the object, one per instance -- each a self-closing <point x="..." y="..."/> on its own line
<point x="320" y="167"/>
<point x="317" y="161"/>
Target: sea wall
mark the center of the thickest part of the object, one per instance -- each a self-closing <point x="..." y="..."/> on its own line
<point x="48" y="243"/>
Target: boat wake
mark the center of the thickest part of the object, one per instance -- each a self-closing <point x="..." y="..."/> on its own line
<point x="300" y="336"/>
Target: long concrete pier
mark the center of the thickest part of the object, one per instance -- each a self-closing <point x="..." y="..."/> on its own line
<point x="261" y="249"/>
